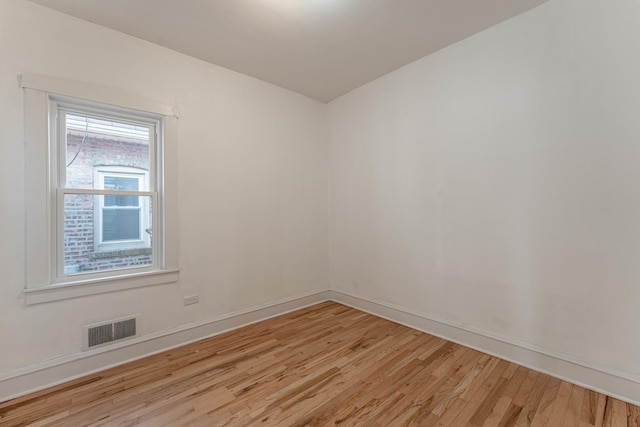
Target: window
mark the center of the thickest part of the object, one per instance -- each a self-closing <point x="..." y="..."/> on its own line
<point x="107" y="181"/>
<point x="98" y="217"/>
<point x="122" y="222"/>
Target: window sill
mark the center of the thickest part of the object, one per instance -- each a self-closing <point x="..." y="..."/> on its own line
<point x="114" y="253"/>
<point x="98" y="286"/>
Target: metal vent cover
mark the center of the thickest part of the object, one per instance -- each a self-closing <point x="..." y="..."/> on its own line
<point x="124" y="329"/>
<point x="101" y="334"/>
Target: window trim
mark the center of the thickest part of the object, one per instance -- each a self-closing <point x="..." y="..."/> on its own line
<point x="40" y="197"/>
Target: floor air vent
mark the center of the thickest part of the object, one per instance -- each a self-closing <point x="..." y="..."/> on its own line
<point x="101" y="334"/>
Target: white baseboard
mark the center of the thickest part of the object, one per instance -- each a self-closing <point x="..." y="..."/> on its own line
<point x="612" y="382"/>
<point x="619" y="384"/>
<point x="47" y="374"/>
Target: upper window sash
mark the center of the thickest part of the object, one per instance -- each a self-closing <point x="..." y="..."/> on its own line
<point x="60" y="107"/>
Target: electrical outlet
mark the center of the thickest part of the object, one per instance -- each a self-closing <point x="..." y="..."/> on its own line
<point x="191" y="299"/>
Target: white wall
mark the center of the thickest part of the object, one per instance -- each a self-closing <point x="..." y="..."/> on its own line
<point x="495" y="185"/>
<point x="252" y="184"/>
<point x="492" y="185"/>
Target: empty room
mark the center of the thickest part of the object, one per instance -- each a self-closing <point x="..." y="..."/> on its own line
<point x="320" y="212"/>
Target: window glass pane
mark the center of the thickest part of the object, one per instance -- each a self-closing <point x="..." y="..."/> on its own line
<point x="121" y="201"/>
<point x="92" y="142"/>
<point x="125" y="240"/>
<point x="121" y="183"/>
<point x="120" y="224"/>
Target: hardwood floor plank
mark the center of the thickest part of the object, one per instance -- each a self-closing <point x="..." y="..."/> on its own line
<point x="545" y="407"/>
<point x="480" y="415"/>
<point x="323" y="365"/>
<point x="525" y="389"/>
<point x="574" y="408"/>
<point x="560" y="405"/>
<point x="510" y="417"/>
<point x="420" y="401"/>
<point x="633" y="416"/>
<point x="601" y="407"/>
<point x="530" y="407"/>
<point x="498" y="412"/>
<point x="589" y="408"/>
<point x="619" y="412"/>
<point x="482" y="397"/>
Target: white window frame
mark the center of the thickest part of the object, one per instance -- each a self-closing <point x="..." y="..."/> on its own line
<point x="59" y="107"/>
<point x="45" y="278"/>
<point x="100" y="172"/>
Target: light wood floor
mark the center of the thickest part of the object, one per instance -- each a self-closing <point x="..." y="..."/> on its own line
<point x="323" y="365"/>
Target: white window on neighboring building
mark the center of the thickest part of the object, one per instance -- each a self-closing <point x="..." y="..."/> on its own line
<point x="122" y="221"/>
<point x="101" y="201"/>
